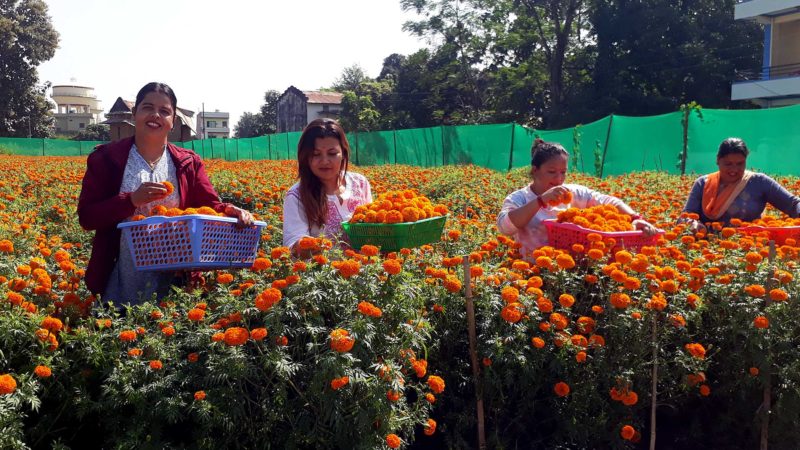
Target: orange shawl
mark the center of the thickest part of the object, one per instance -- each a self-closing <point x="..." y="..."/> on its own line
<point x="716" y="202"/>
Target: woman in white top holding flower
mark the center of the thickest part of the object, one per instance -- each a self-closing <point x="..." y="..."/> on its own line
<point x="524" y="210"/>
<point x="327" y="193"/>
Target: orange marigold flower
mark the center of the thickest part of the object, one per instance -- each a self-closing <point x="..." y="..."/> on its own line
<point x="755" y="290"/>
<point x="566" y="300"/>
<point x="761" y="322"/>
<point x="620" y="300"/>
<point x="778" y="295"/>
<point x="338" y="383"/>
<point x="224" y="278"/>
<point x="127" y="335"/>
<point x="392" y="396"/>
<point x="392" y="266"/>
<point x="192" y="357"/>
<point x="42" y="371"/>
<point x="6" y="246"/>
<point x="561" y="389"/>
<point x="565" y="261"/>
<point x="168" y="331"/>
<point x="135" y="352"/>
<point x="368" y="309"/>
<point x="200" y="396"/>
<point x="169" y="187"/>
<point x="156" y="364"/>
<point x="452" y="284"/>
<point x="260" y="264"/>
<point x="436" y="384"/>
<point x="627" y="432"/>
<point x="258" y="334"/>
<point x="430" y="427"/>
<point x="341" y="340"/>
<point x="7" y="384"/>
<point x="512" y="312"/>
<point x="267" y="298"/>
<point x="705" y="390"/>
<point x="196" y="314"/>
<point x="53" y="324"/>
<point x="510" y="294"/>
<point x="393" y="441"/>
<point x="537" y="342"/>
<point x="347" y="268"/>
<point x="420" y="367"/>
<point x="430" y="398"/>
<point x="696" y="350"/>
<point x="236" y="336"/>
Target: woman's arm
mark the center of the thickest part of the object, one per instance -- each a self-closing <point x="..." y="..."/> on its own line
<point x="515" y="214"/>
<point x="295" y="224"/>
<point x="782" y="199"/>
<point x="97" y="207"/>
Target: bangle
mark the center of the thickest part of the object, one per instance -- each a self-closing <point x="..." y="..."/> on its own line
<point x="540" y="202"/>
<point x="635" y="217"/>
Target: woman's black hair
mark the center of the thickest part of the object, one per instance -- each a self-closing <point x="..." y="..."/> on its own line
<point x="732" y="145"/>
<point x="542" y="151"/>
<point x="161" y="88"/>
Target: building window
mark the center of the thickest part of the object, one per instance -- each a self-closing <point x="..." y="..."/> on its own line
<point x="325" y="108"/>
<point x="81" y="125"/>
<point x="224" y="124"/>
<point x="211" y="124"/>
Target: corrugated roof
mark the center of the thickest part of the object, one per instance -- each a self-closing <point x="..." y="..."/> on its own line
<point x="329" y="98"/>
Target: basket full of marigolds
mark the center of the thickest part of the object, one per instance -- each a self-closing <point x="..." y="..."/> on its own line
<point x="396" y="220"/>
<point x="582" y="226"/>
<point x="189" y="239"/>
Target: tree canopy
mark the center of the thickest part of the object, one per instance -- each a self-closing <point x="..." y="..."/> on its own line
<point x="27" y="39"/>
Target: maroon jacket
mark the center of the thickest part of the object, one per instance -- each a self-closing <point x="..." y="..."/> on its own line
<point x="101" y="207"/>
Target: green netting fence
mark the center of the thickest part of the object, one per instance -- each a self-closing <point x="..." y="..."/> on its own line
<point x="612" y="145"/>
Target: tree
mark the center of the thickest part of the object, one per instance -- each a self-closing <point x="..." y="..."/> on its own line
<point x="351" y="79"/>
<point x="94" y="132"/>
<point x="27" y="38"/>
<point x="249" y="125"/>
<point x="261" y="123"/>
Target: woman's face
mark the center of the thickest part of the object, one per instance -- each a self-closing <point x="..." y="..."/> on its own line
<point x="550" y="173"/>
<point x="731" y="167"/>
<point x="154" y="115"/>
<point x="326" y="159"/>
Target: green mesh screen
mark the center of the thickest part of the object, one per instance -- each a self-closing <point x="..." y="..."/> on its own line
<point x="482" y="145"/>
<point x="644" y="143"/>
<point x="419" y="147"/>
<point x="624" y="144"/>
<point x="772" y="135"/>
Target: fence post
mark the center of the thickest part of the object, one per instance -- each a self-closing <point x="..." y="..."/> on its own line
<point x="473" y="351"/>
<point x="394" y="138"/>
<point x="766" y="404"/>
<point x="43" y="147"/>
<point x="441" y="128"/>
<point x="287" y="145"/>
<point x="511" y="150"/>
<point x="605" y="147"/>
<point x="251" y="148"/>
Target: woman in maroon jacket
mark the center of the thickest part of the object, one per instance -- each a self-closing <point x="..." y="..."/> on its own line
<point x="124" y="178"/>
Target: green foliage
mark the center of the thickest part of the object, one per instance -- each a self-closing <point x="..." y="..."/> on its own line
<point x="94" y="132"/>
<point x="261" y="123"/>
<point x="28" y="39"/>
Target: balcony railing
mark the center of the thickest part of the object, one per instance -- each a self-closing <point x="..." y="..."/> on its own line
<point x="769" y="73"/>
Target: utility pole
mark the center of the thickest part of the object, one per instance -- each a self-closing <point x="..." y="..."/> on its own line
<point x="204" y="121"/>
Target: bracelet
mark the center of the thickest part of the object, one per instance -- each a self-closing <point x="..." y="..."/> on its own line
<point x="635" y="217"/>
<point x="540" y="202"/>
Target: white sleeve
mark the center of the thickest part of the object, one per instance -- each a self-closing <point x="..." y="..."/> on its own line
<point x="295" y="223"/>
<point x="504" y="223"/>
<point x="585" y="197"/>
<point x="368" y="190"/>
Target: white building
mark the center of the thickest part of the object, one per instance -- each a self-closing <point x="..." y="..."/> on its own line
<point x="76" y="108"/>
<point x="778" y="84"/>
<point x="212" y="125"/>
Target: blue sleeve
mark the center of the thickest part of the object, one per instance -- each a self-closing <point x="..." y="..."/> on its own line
<point x="780" y="198"/>
<point x="694" y="204"/>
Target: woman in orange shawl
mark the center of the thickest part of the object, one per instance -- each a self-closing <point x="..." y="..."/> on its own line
<point x="736" y="193"/>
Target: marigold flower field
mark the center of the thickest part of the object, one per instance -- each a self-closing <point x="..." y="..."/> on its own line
<point x="362" y="349"/>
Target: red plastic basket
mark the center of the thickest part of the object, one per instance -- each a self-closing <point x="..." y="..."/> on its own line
<point x="777" y="234"/>
<point x="563" y="235"/>
<point x="191" y="242"/>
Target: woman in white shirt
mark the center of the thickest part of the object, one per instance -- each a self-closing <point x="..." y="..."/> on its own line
<point x="327" y="194"/>
<point x="524" y="210"/>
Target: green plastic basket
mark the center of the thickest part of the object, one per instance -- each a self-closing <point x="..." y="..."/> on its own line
<point x="393" y="237"/>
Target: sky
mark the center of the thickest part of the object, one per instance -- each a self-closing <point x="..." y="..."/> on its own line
<point x="224" y="53"/>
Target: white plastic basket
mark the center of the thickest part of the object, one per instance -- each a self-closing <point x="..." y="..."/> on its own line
<point x="191" y="242"/>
